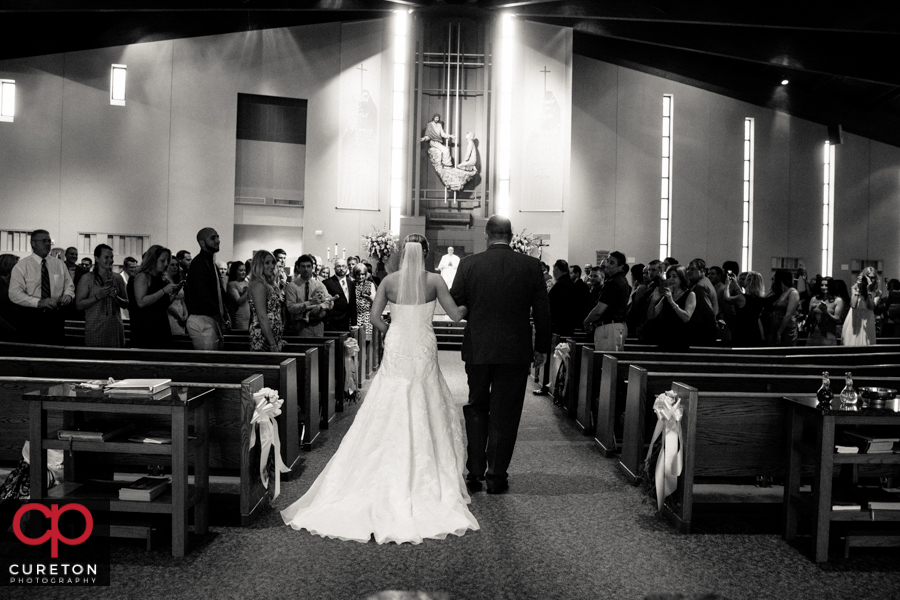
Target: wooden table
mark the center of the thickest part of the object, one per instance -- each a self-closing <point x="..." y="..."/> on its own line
<point x="803" y="412"/>
<point x="178" y="405"/>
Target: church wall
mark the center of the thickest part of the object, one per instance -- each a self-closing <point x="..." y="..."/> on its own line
<point x="884" y="207"/>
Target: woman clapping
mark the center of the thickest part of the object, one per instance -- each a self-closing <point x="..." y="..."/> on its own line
<point x="100" y="295"/>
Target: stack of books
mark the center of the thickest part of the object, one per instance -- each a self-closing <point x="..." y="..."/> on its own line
<point x="140" y="387"/>
<point x="872" y="443"/>
<point x="95" y="431"/>
<point x="144" y="489"/>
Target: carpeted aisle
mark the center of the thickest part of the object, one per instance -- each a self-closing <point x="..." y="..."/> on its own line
<point x="571" y="527"/>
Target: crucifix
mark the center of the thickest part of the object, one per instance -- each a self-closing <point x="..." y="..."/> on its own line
<point x="545" y="71"/>
<point x="541" y="245"/>
<point x="362" y="71"/>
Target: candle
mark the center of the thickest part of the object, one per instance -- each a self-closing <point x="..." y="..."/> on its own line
<point x="335" y="251"/>
<point x="343" y="253"/>
<point x="327" y="253"/>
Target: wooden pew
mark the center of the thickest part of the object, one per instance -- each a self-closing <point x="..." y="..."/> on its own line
<point x="644" y="386"/>
<point x="610" y="403"/>
<point x="231" y="409"/>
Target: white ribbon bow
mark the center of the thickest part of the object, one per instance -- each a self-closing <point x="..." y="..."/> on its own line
<point x="560" y="359"/>
<point x="669" y="463"/>
<point x="264" y="416"/>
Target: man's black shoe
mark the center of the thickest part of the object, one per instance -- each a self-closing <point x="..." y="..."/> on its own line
<point x="499" y="488"/>
<point x="473" y="485"/>
<point x="541" y="392"/>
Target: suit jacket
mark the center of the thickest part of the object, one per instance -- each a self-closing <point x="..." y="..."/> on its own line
<point x="564" y="307"/>
<point x="343" y="314"/>
<point x="503" y="290"/>
<point x="582" y="300"/>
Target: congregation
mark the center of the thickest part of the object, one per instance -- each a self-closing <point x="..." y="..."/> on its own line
<point x="663" y="303"/>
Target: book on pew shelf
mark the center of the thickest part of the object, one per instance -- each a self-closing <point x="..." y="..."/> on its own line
<point x="139" y="386"/>
<point x="845" y="505"/>
<point x="154" y="437"/>
<point x="846" y="449"/>
<point x="96" y="431"/>
<point x="144" y="489"/>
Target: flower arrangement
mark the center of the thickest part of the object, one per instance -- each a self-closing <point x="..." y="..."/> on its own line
<point x="380" y="244"/>
<point x="523" y="243"/>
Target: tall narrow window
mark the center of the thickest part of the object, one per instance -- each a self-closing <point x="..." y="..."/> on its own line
<point x="7" y="100"/>
<point x="828" y="210"/>
<point x="747" y="225"/>
<point x="665" y="203"/>
<point x="117" y="85"/>
<point x="504" y="114"/>
<point x="398" y="135"/>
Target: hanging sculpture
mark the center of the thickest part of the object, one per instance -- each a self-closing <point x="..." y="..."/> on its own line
<point x="454" y="178"/>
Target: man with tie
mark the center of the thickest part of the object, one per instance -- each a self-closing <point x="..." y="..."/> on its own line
<point x="343" y="314"/>
<point x="300" y="295"/>
<point x="41" y="285"/>
<point x="204" y="296"/>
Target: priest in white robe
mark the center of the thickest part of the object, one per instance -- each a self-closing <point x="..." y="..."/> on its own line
<point x="448" y="265"/>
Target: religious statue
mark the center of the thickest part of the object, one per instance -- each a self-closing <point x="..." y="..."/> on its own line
<point x="452" y="177"/>
<point x="448" y="265"/>
<point x="470" y="158"/>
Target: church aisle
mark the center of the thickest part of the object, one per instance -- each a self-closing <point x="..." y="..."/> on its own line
<point x="570" y="527"/>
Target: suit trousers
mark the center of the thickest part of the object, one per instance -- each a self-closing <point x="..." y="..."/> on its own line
<point x="496" y="397"/>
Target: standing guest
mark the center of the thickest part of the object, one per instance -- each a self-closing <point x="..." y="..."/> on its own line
<point x="76" y="271"/>
<point x="87" y="264"/>
<point x="783" y="328"/>
<point x="725" y="316"/>
<point x="748" y="306"/>
<point x="101" y="295"/>
<point x="306" y="300"/>
<point x="825" y="314"/>
<point x="183" y="258"/>
<point x="324" y="273"/>
<point x="352" y="262"/>
<point x="548" y="278"/>
<point x="129" y="270"/>
<point x="178" y="313"/>
<point x="9" y="311"/>
<point x="671" y="309"/>
<point x="563" y="308"/>
<point x="149" y="298"/>
<point x="343" y="314"/>
<point x="238" y="296"/>
<point x="281" y="275"/>
<point x="595" y="283"/>
<point x="702" y="328"/>
<point x="636" y="316"/>
<point x="266" y="304"/>
<point x="891" y="327"/>
<point x="365" y="296"/>
<point x="588" y="267"/>
<point x="222" y="269"/>
<point x="669" y="261"/>
<point x="582" y="294"/>
<point x="41" y="286"/>
<point x="607" y="318"/>
<point x="859" y="327"/>
<point x="205" y="296"/>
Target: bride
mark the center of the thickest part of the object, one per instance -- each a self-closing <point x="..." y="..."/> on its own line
<point x="398" y="473"/>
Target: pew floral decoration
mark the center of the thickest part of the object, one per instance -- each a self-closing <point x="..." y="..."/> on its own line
<point x="351" y="366"/>
<point x="559" y="369"/>
<point x="380" y="244"/>
<point x="667" y="407"/>
<point x="523" y="243"/>
<point x="268" y="406"/>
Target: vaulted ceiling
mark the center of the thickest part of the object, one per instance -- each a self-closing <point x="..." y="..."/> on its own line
<point x="841" y="64"/>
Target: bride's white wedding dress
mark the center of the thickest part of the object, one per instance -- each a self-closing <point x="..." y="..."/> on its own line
<point x="397" y="474"/>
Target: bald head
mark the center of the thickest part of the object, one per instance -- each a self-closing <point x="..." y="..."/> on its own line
<point x="208" y="238"/>
<point x="498" y="229"/>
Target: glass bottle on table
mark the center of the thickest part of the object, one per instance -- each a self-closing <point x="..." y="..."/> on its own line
<point x="825" y="395"/>
<point x="848" y="394"/>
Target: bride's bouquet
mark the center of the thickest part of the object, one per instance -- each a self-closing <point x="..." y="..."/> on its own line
<point x="380" y="244"/>
<point x="523" y="243"/>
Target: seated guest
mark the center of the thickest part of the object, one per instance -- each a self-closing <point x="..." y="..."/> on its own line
<point x="238" y="296"/>
<point x="365" y="296"/>
<point x="785" y="305"/>
<point x="825" y="314"/>
<point x="306" y="300"/>
<point x="149" y="298"/>
<point x="9" y="311"/>
<point x="703" y="327"/>
<point x="266" y="303"/>
<point x="178" y="313"/>
<point x="563" y="309"/>
<point x="671" y="309"/>
<point x="101" y="294"/>
<point x="859" y="326"/>
<point x="40" y="285"/>
<point x="748" y="305"/>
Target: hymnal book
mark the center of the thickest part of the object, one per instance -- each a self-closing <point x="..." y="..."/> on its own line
<point x="98" y="431"/>
<point x="845" y="505"/>
<point x="144" y="489"/>
<point x="871" y="444"/>
<point x="150" y="439"/>
<point x="881" y="498"/>
<point x="139" y="386"/>
<point x="884" y="505"/>
<point x="846" y="449"/>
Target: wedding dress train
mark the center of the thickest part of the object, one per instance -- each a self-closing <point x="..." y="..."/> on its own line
<point x="397" y="474"/>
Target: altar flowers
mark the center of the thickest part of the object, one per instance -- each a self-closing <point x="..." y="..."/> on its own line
<point x="667" y="407"/>
<point x="268" y="406"/>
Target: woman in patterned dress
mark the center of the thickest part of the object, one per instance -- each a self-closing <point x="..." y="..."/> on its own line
<point x="100" y="295"/>
<point x="365" y="295"/>
<point x="266" y="302"/>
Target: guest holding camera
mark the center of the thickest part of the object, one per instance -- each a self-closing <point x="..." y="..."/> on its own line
<point x="748" y="306"/>
<point x="671" y="308"/>
<point x="859" y="327"/>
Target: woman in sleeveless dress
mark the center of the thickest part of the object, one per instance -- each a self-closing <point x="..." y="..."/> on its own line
<point x="825" y="314"/>
<point x="100" y="295"/>
<point x="671" y="309"/>
<point x="266" y="303"/>
<point x="859" y="326"/>
<point x="149" y="296"/>
<point x="783" y="329"/>
<point x="238" y="296"/>
<point x="748" y="306"/>
<point x="398" y="473"/>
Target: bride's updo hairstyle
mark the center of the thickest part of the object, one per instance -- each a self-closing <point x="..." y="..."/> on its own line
<point x="421" y="239"/>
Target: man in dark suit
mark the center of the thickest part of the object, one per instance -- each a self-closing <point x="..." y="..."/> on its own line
<point x="343" y="314"/>
<point x="503" y="290"/>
